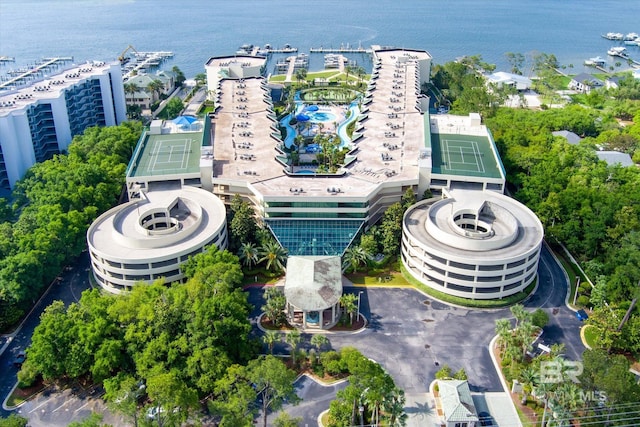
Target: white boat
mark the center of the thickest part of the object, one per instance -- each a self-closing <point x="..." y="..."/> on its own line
<point x="617" y="51"/>
<point x="613" y="36"/>
<point x="630" y="37"/>
<point x="595" y="62"/>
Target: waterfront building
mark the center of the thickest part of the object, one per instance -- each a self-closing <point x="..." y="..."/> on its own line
<point x="501" y="78"/>
<point x="39" y="119"/>
<point x="472" y="244"/>
<point x="397" y="144"/>
<point x="144" y="97"/>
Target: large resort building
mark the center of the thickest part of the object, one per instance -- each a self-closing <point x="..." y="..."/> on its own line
<point x="392" y="143"/>
<point x="42" y="109"/>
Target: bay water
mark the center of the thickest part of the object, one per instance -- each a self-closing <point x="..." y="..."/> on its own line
<point x="196" y="30"/>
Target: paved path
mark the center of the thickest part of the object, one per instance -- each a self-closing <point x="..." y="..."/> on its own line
<point x="68" y="289"/>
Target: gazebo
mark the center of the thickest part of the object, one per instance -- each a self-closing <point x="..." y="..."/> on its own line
<point x="313" y="287"/>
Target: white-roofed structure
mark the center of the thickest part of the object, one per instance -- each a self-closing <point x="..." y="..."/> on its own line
<point x="149" y="238"/>
<point x="313" y="287"/>
<point x="615" y="158"/>
<point x="501" y="78"/>
<point x="571" y="137"/>
<point x="457" y="404"/>
<point x="472" y="244"/>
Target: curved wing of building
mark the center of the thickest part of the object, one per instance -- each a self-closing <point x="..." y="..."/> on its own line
<point x="149" y="238"/>
<point x="472" y="244"/>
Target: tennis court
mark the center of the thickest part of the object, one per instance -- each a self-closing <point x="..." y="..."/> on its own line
<point x="168" y="154"/>
<point x="455" y="154"/>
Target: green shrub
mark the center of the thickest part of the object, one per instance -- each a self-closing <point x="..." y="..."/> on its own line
<point x="540" y="318"/>
<point x="318" y="370"/>
<point x="27" y="375"/>
<point x="506" y="361"/>
<point x="444" y="372"/>
<point x="583" y="301"/>
<point x="585" y="288"/>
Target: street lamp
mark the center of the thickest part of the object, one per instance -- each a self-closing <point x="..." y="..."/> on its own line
<point x="359" y="295"/>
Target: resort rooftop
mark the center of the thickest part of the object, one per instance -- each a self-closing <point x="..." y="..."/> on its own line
<point x="391" y="128"/>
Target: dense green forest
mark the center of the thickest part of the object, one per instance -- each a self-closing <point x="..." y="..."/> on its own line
<point x="44" y="228"/>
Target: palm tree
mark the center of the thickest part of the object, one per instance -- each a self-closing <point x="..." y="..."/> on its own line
<point x="131" y="88"/>
<point x="543" y="391"/>
<point x="354" y="257"/>
<point x="274" y="255"/>
<point x="319" y="341"/>
<point x="293" y="339"/>
<point x="155" y="87"/>
<point x="569" y="396"/>
<point x="348" y="302"/>
<point x="520" y="313"/>
<point x="248" y="254"/>
<point x="503" y="329"/>
<point x="557" y="349"/>
<point x="301" y="75"/>
<point x="393" y="406"/>
<point x="270" y="339"/>
<point x="524" y="334"/>
<point x="201" y="79"/>
<point x="275" y="305"/>
<point x="529" y="379"/>
<point x="180" y="78"/>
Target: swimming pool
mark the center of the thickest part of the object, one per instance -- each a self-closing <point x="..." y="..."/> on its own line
<point x="321" y="116"/>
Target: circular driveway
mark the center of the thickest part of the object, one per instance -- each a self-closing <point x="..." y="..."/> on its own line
<point x="409" y="332"/>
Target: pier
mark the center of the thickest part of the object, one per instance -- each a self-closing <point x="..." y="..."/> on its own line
<point x="340" y="49"/>
<point x="143" y="61"/>
<point x="24" y="76"/>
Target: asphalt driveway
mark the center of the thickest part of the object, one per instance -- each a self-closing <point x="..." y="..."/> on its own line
<point x="412" y="336"/>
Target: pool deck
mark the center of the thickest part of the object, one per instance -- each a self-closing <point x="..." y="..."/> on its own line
<point x="388" y="150"/>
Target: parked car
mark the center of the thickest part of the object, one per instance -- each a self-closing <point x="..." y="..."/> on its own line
<point x="19" y="359"/>
<point x="582" y="315"/>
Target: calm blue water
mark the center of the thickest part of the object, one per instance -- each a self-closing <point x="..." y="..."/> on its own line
<point x="198" y="29"/>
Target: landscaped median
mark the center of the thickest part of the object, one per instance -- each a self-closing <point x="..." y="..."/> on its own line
<point x="465" y="302"/>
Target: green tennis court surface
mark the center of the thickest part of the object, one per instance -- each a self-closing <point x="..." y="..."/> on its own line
<point x="454" y="154"/>
<point x="168" y="155"/>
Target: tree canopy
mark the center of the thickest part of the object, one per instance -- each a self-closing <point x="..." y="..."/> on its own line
<point x="57" y="201"/>
<point x="177" y="341"/>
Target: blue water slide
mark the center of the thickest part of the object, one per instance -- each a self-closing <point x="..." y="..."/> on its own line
<point x="342" y="128"/>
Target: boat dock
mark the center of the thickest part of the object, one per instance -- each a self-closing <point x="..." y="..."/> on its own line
<point x="143" y="61"/>
<point x="27" y="75"/>
<point x="341" y="49"/>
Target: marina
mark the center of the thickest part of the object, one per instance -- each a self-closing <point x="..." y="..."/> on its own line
<point x="36" y="72"/>
<point x="142" y="62"/>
